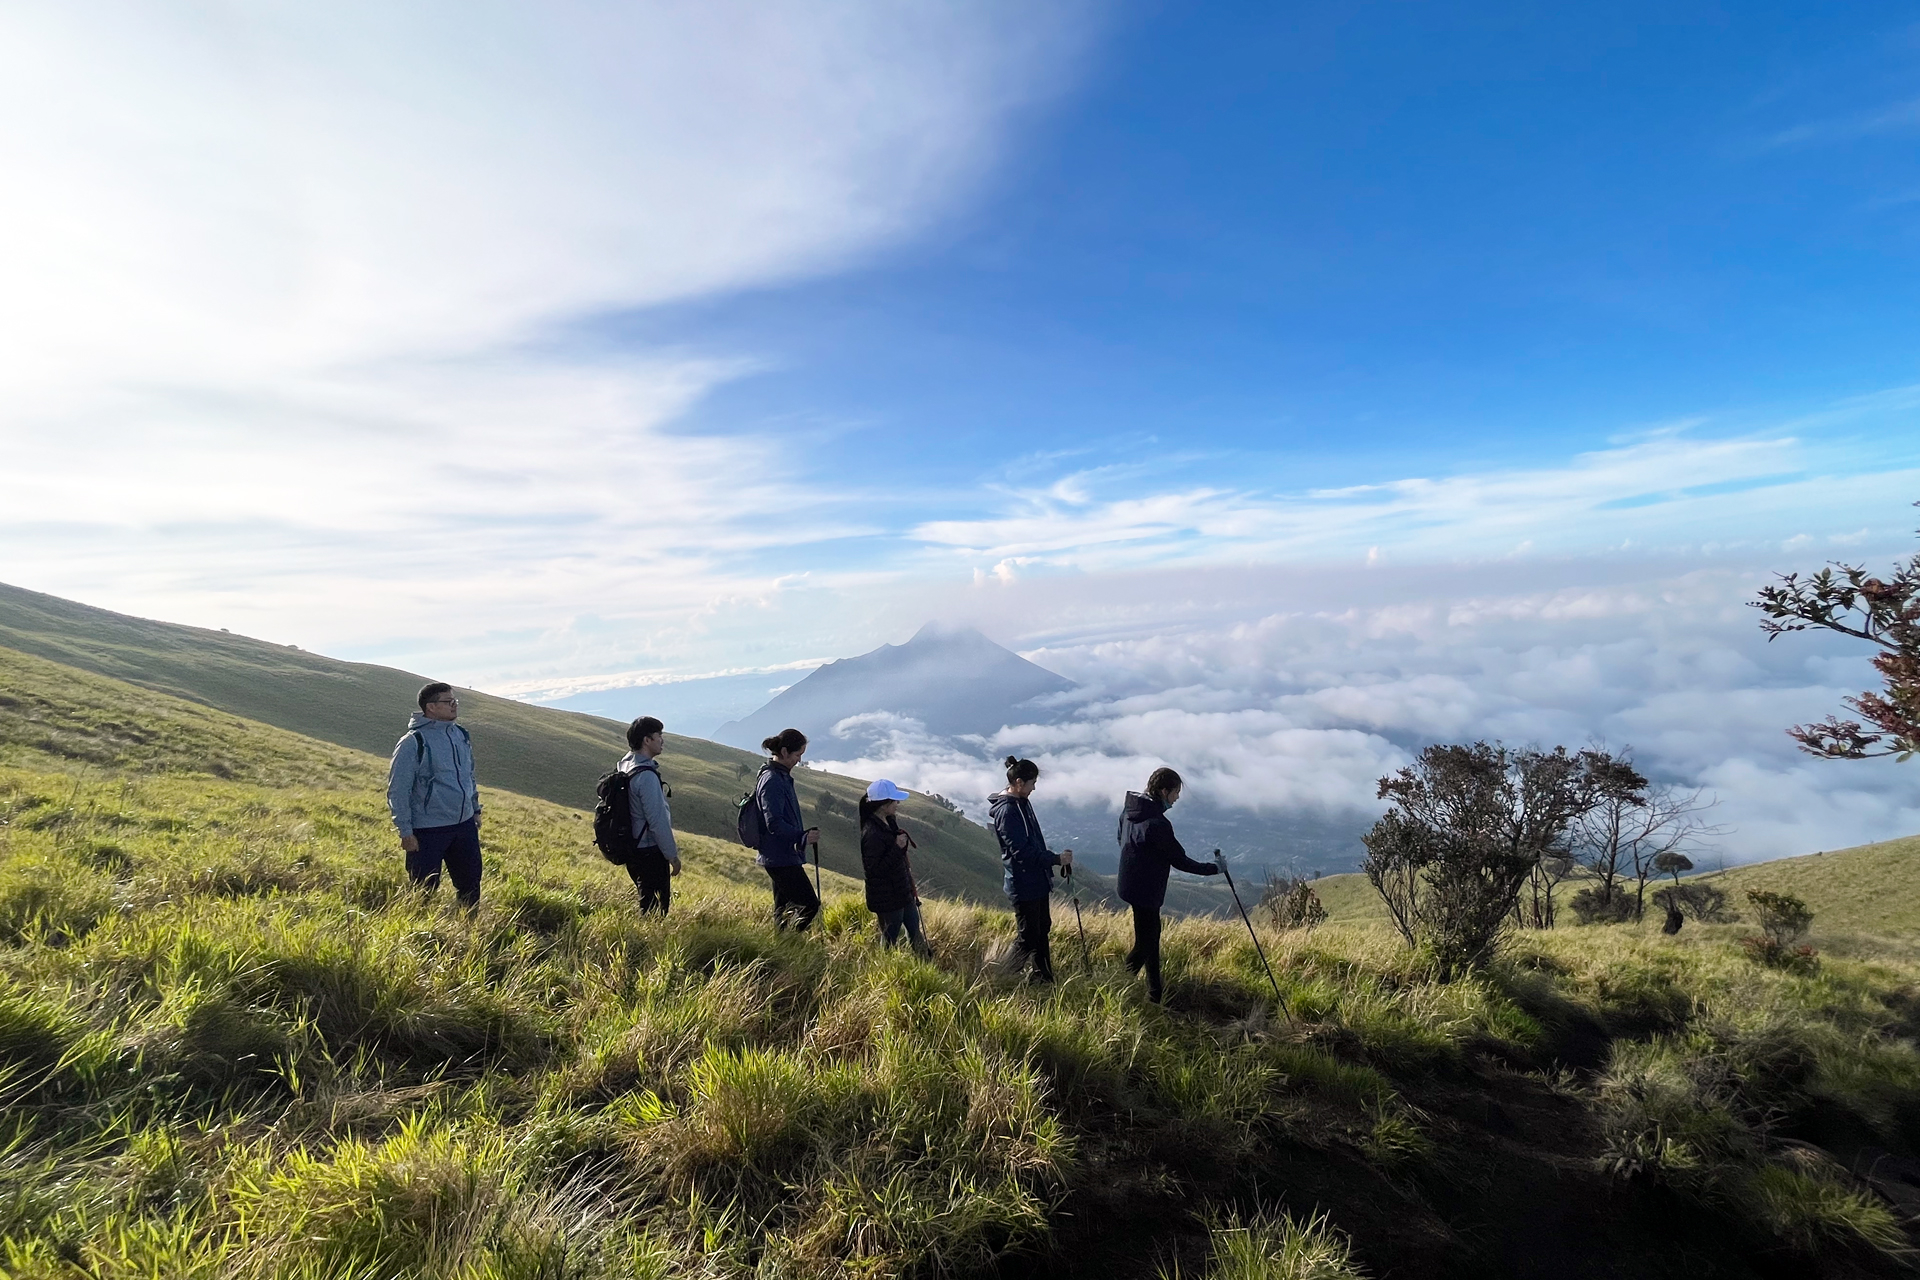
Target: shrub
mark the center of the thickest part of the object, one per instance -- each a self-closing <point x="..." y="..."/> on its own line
<point x="1782" y="917"/>
<point x="1594" y="906"/>
<point x="1470" y="825"/>
<point x="1704" y="902"/>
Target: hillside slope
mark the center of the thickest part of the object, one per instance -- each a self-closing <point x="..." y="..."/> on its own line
<point x="234" y="1045"/>
<point x="1870" y="888"/>
<point x="535" y="751"/>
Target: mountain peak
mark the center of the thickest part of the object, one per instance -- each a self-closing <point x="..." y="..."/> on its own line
<point x="952" y="679"/>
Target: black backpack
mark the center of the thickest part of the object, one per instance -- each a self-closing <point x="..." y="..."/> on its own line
<point x="613" y="815"/>
<point x="749" y="824"/>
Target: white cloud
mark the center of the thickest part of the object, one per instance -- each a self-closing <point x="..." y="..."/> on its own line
<point x="300" y="300"/>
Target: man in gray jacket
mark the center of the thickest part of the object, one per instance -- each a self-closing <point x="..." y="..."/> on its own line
<point x="433" y="798"/>
<point x="657" y="859"/>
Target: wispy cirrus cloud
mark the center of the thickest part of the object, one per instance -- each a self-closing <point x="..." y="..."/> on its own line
<point x="1673" y="487"/>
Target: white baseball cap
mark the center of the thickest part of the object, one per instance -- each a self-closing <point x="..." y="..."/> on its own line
<point x="883" y="789"/>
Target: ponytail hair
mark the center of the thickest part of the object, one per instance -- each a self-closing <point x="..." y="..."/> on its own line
<point x="1162" y="781"/>
<point x="785" y="740"/>
<point x="1019" y="770"/>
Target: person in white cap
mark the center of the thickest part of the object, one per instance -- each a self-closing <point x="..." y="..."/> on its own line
<point x="891" y="893"/>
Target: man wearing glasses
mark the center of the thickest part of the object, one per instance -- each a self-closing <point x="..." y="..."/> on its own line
<point x="431" y="793"/>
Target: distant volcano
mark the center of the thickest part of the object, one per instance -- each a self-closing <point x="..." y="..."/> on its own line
<point x="956" y="682"/>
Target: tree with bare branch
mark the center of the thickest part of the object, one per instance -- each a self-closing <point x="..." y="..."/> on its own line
<point x="1884" y="612"/>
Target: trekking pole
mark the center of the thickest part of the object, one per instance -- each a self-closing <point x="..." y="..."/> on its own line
<point x="816" y="868"/>
<point x="1258" y="949"/>
<point x="1086" y="956"/>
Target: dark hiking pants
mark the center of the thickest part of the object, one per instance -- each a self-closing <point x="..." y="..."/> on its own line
<point x="794" y="901"/>
<point x="458" y="846"/>
<point x="907" y="918"/>
<point x="1146" y="949"/>
<point x="1032" y="921"/>
<point x="652" y="878"/>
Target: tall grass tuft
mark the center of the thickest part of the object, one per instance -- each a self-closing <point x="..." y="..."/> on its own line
<point x="1275" y="1247"/>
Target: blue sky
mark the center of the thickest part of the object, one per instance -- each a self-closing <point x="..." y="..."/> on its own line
<point x="1322" y="241"/>
<point x="1473" y="350"/>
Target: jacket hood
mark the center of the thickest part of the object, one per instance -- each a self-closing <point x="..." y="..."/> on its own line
<point x="999" y="798"/>
<point x="1141" y="808"/>
<point x="421" y="720"/>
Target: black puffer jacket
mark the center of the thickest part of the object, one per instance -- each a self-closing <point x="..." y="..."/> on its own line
<point x="1148" y="851"/>
<point x="889" y="875"/>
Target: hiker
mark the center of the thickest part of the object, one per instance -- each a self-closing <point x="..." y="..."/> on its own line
<point x="1148" y="851"/>
<point x="891" y="894"/>
<point x="784" y="840"/>
<point x="433" y="798"/>
<point x="1030" y="865"/>
<point x="656" y="857"/>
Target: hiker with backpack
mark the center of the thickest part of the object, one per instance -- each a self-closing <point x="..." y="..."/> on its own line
<point x="631" y="822"/>
<point x="780" y="835"/>
<point x="1029" y="863"/>
<point x="892" y="895"/>
<point x="1148" y="853"/>
<point x="433" y="798"/>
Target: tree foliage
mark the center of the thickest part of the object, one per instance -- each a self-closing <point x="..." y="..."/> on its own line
<point x="1468" y="827"/>
<point x="1884" y="612"/>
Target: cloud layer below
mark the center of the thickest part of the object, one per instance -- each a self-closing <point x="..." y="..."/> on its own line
<point x="1290" y="717"/>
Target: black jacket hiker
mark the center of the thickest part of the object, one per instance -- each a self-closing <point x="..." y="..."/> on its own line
<point x="889" y="875"/>
<point x="1148" y="851"/>
<point x="1029" y="879"/>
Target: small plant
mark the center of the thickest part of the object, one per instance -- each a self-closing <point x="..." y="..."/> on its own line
<point x="1280" y="1247"/>
<point x="1292" y="903"/>
<point x="1794" y="959"/>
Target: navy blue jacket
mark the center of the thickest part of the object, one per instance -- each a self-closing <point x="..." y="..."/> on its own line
<point x="1023" y="849"/>
<point x="1148" y="852"/>
<point x="779" y="803"/>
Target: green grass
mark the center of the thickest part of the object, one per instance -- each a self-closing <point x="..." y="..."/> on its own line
<point x="235" y="1043"/>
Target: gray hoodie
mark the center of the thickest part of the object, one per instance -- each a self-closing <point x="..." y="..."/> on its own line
<point x="652" y="821"/>
<point x="430" y="782"/>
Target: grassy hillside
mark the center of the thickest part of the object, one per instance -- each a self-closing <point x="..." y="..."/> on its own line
<point x="536" y="751"/>
<point x="233" y="1043"/>
<point x="1871" y="888"/>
